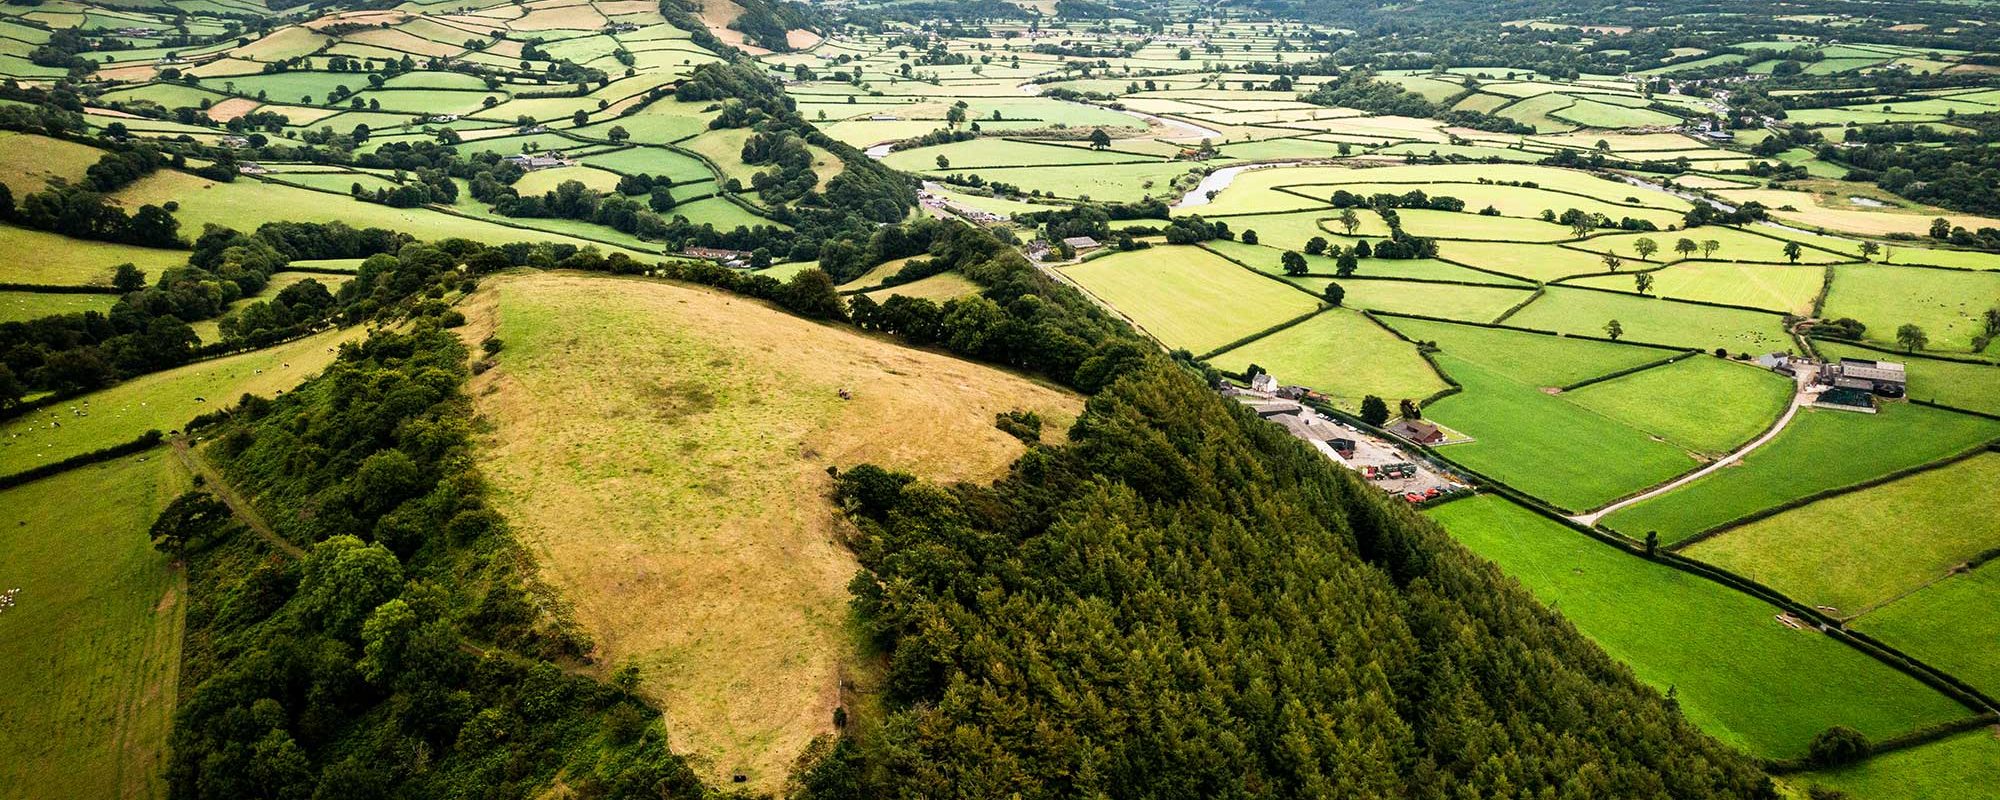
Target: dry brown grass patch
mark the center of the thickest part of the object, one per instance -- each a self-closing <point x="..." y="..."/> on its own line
<point x="662" y="449"/>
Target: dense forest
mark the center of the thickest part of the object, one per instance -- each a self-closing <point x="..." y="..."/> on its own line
<point x="1186" y="602"/>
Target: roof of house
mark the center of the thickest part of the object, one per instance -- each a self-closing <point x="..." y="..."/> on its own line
<point x="1080" y="241"/>
<point x="1889" y="371"/>
<point x="1414" y="428"/>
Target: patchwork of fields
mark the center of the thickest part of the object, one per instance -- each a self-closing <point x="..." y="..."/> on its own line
<point x="1572" y="268"/>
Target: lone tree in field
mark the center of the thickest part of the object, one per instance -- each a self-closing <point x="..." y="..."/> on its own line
<point x="1334" y="294"/>
<point x="1295" y="264"/>
<point x="1645" y="247"/>
<point x="1940" y="228"/>
<point x="1612" y="262"/>
<point x="1349" y="220"/>
<point x="1708" y="248"/>
<point x="1686" y="247"/>
<point x="126" y="279"/>
<point x="1249" y="236"/>
<point x="1652" y="542"/>
<point x="1408" y="409"/>
<point x="1869" y="249"/>
<point x="1315" y="245"/>
<point x="1374" y="411"/>
<point x="1643" y="282"/>
<point x="618" y="133"/>
<point x="942" y="162"/>
<point x="954" y="116"/>
<point x="1345" y="264"/>
<point x="1614" y="330"/>
<point x="1793" y="251"/>
<point x="1911" y="338"/>
<point x="1099" y="140"/>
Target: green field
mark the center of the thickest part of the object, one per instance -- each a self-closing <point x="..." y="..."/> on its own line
<point x="1975" y="387"/>
<point x="1535" y="359"/>
<point x="246" y="204"/>
<point x="1536" y="262"/>
<point x="1740" y="675"/>
<point x="1270" y="260"/>
<point x="24" y="306"/>
<point x="1784" y="289"/>
<point x="25" y="258"/>
<point x="1858" y="550"/>
<point x="1655" y="321"/>
<point x="1736" y="245"/>
<point x="93" y="639"/>
<point x="936" y="288"/>
<point x="1959" y="768"/>
<point x="1343" y="355"/>
<point x="1821" y="449"/>
<point x="160" y="401"/>
<point x="1189" y="297"/>
<point x="1947" y="304"/>
<point x="1703" y="404"/>
<point x="1467" y="225"/>
<point x="1542" y="444"/>
<point x="1291" y="231"/>
<point x="1103" y="182"/>
<point x="1950" y="625"/>
<point x="1518" y="201"/>
<point x="992" y="152"/>
<point x="1451" y="301"/>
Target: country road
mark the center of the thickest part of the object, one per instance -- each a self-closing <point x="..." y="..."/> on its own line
<point x="1800" y="399"/>
<point x="213" y="481"/>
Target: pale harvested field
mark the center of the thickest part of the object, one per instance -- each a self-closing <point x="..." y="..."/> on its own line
<point x="1836" y="213"/>
<point x="662" y="449"/>
<point x="232" y="108"/>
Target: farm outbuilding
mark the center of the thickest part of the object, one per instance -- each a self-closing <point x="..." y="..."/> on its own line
<point x="1886" y="378"/>
<point x="1418" y="431"/>
<point x="1082" y="244"/>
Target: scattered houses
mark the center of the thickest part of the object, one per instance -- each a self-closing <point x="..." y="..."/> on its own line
<point x="727" y="258"/>
<point x="530" y="161"/>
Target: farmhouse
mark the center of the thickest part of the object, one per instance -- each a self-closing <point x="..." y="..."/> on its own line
<point x="733" y="258"/>
<point x="1781" y="363"/>
<point x="1885" y="378"/>
<point x="1263" y="382"/>
<point x="531" y="162"/>
<point x="1417" y="430"/>
<point x="251" y="168"/>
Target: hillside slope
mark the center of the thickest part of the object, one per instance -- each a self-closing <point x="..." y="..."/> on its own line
<point x="663" y="450"/>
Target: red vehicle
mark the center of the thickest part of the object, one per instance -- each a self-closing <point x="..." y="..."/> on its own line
<point x="1413" y="497"/>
